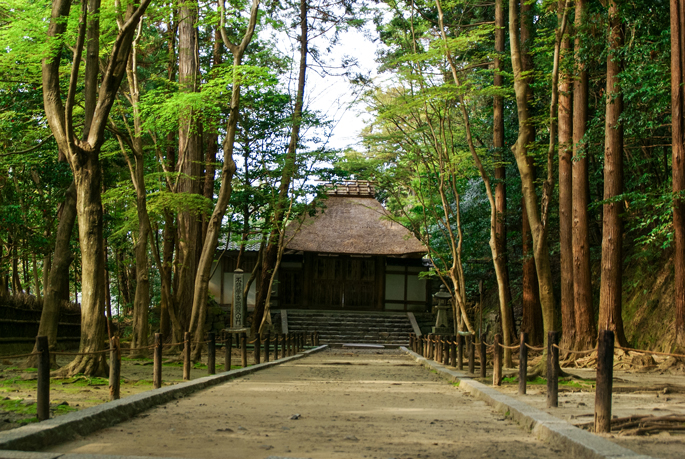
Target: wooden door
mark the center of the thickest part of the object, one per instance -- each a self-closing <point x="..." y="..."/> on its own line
<point x="327" y="288"/>
<point x="360" y="284"/>
<point x="344" y="283"/>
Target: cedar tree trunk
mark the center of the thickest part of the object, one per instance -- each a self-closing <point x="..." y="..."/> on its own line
<point x="610" y="296"/>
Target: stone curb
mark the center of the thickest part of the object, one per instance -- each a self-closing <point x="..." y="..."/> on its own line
<point x="580" y="443"/>
<point x="33" y="437"/>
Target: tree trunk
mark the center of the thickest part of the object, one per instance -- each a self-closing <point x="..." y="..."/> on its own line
<point x="566" y="200"/>
<point x="585" y="328"/>
<point x="89" y="210"/>
<point x="678" y="162"/>
<point x="189" y="162"/>
<point x="211" y="142"/>
<point x="83" y="157"/>
<point x="500" y="172"/>
<point x="289" y="169"/>
<point x="520" y="149"/>
<point x="498" y="259"/>
<point x="16" y="279"/>
<point x="141" y="302"/>
<point x="57" y="287"/>
<point x="531" y="321"/>
<point x="36" y="277"/>
<point x="167" y="300"/>
<point x="610" y="296"/>
<point x="201" y="288"/>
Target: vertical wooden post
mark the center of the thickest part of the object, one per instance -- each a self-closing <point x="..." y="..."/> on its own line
<point x="460" y="352"/>
<point x="276" y="342"/>
<point x="446" y="350"/>
<point x="257" y="349"/>
<point x="43" y="395"/>
<point x="497" y="362"/>
<point x="228" y="350"/>
<point x="552" y="370"/>
<point x="483" y="358"/>
<point x="605" y="376"/>
<point x="523" y="364"/>
<point x="267" y="346"/>
<point x="211" y="353"/>
<point x="470" y="350"/>
<point x="114" y="369"/>
<point x="453" y="351"/>
<point x="480" y="309"/>
<point x="186" y="357"/>
<point x="243" y="350"/>
<point x="157" y="364"/>
<point x="283" y="345"/>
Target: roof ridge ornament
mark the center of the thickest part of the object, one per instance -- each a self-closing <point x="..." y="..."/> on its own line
<point x="361" y="188"/>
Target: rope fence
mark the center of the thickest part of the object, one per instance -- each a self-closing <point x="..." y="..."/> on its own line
<point x="451" y="350"/>
<point x="19" y="356"/>
<point x="290" y="344"/>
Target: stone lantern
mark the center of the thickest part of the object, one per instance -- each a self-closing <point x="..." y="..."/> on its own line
<point x="442" y="300"/>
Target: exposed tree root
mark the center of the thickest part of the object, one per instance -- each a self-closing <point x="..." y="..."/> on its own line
<point x="642" y="424"/>
<point x="89" y="365"/>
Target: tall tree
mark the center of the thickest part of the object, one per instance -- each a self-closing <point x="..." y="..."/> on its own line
<point x="289" y="170"/>
<point x="500" y="169"/>
<point x="201" y="287"/>
<point x="57" y="286"/>
<point x="611" y="288"/>
<point x="532" y="312"/>
<point x="83" y="155"/>
<point x="499" y="261"/>
<point x="566" y="193"/>
<point x="585" y="328"/>
<point x="538" y="219"/>
<point x="678" y="161"/>
<point x="189" y="162"/>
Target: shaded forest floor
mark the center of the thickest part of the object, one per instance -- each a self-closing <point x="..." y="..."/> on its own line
<point x="656" y="390"/>
<point x="18" y="386"/>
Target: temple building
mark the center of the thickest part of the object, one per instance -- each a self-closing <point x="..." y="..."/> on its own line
<point x="349" y="256"/>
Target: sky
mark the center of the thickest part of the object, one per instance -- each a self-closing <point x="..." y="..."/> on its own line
<point x="333" y="95"/>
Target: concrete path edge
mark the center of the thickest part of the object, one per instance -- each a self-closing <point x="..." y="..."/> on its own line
<point x="34" y="437"/>
<point x="580" y="443"/>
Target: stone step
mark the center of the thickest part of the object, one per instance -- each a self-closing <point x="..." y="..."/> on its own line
<point x="353" y="327"/>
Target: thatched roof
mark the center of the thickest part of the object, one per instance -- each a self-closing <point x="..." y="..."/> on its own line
<point x="353" y="223"/>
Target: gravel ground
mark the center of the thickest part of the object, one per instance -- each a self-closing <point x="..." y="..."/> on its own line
<point x="334" y="404"/>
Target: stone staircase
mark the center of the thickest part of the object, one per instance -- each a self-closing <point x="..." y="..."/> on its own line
<point x="335" y="327"/>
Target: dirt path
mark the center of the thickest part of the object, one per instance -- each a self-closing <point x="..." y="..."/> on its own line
<point x="357" y="404"/>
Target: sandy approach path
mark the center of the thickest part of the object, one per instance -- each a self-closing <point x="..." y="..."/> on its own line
<point x="351" y="404"/>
